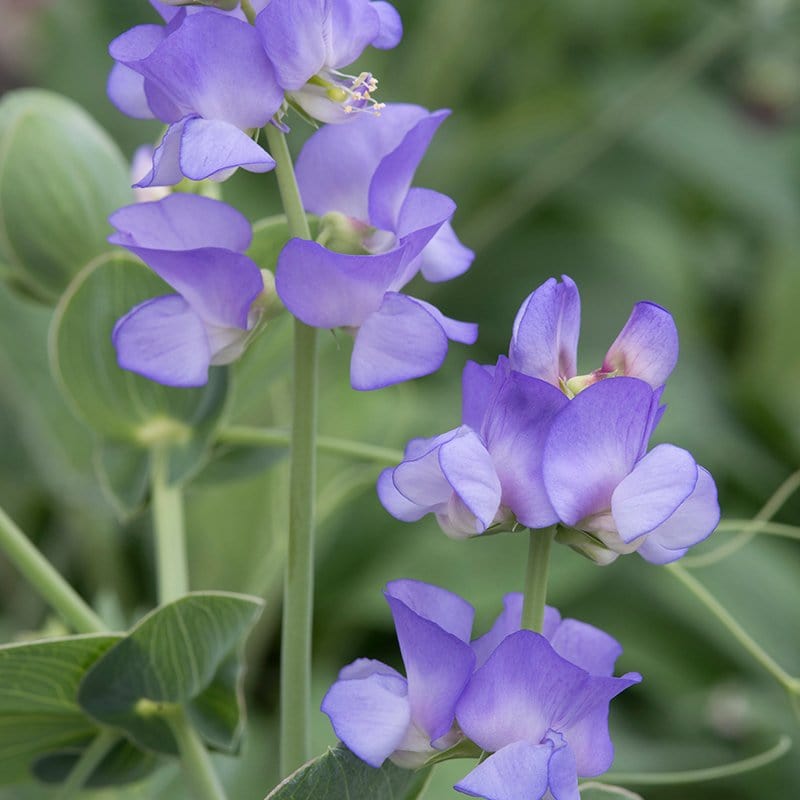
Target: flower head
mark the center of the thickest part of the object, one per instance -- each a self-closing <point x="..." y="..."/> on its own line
<point x="380" y="714"/>
<point x="544" y="343"/>
<point x="311" y="41"/>
<point x="207" y="76"/>
<point x="196" y="245"/>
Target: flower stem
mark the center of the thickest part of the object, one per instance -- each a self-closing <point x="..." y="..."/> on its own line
<point x="47" y="581"/>
<point x="168" y="529"/>
<point x="740" y="634"/>
<point x="536" y="578"/>
<point x="783" y="746"/>
<point x="194" y="758"/>
<point x="87" y="763"/>
<point x="298" y="595"/>
<point x="266" y="437"/>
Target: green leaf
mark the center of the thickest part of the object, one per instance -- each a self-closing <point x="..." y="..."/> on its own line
<point x="39" y="711"/>
<point x="60" y="177"/>
<point x="181" y="653"/>
<point x="340" y="775"/>
<point x="123" y="472"/>
<point x="123" y="764"/>
<point x="117" y="404"/>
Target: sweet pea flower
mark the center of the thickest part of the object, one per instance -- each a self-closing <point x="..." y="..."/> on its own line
<point x="487" y="472"/>
<point x="310" y="41"/>
<point x="544" y="343"/>
<point x="207" y="76"/>
<point x="602" y="482"/>
<point x="364" y="172"/>
<point x="197" y="246"/>
<point x="380" y="714"/>
<point x="541" y="713"/>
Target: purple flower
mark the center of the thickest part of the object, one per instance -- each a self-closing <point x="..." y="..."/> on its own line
<point x="488" y="471"/>
<point x="601" y="480"/>
<point x="544" y="343"/>
<point x="364" y="172"/>
<point x="310" y="41"/>
<point x="196" y="245"/>
<point x="541" y="708"/>
<point x="207" y="76"/>
<point x="380" y="714"/>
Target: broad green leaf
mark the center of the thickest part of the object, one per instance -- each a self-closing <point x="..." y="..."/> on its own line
<point x="115" y="403"/>
<point x="123" y="764"/>
<point x="123" y="472"/>
<point x="340" y="775"/>
<point x="39" y="710"/>
<point x="60" y="178"/>
<point x="180" y="653"/>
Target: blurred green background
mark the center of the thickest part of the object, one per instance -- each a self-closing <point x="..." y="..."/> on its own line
<point x="650" y="150"/>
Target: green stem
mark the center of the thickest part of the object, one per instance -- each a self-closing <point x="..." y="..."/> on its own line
<point x="770" y="528"/>
<point x="41" y="574"/>
<point x="298" y="595"/>
<point x="168" y="530"/>
<point x="536" y="578"/>
<point x="249" y="11"/>
<point x="274" y="437"/>
<point x="194" y="758"/>
<point x="89" y="761"/>
<point x="699" y="775"/>
<point x="740" y="634"/>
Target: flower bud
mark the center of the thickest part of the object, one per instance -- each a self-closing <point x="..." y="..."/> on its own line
<point x="342" y="234"/>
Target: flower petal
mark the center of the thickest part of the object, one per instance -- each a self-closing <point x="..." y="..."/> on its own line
<point x="352" y="25"/>
<point x="181" y="222"/>
<point x="336" y="165"/>
<point x="201" y="65"/>
<point x="392" y="178"/>
<point x="395" y="502"/>
<point x="593" y="444"/>
<point x="586" y="646"/>
<point x="164" y="340"/>
<point x="647" y="347"/>
<point x="125" y="89"/>
<point x="391" y="26"/>
<point x="449" y="611"/>
<point x="166" y="169"/>
<point x="211" y="147"/>
<point x="518" y="771"/>
<point x="562" y="774"/>
<point x="477" y="383"/>
<point x="653" y="491"/>
<point x="516" y="426"/>
<point x="544" y="343"/>
<point x="401" y="340"/>
<point x="444" y="257"/>
<point x="693" y="521"/>
<point x="370" y="714"/>
<point x="330" y="290"/>
<point x="438" y="666"/>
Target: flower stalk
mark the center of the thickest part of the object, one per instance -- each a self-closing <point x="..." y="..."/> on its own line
<point x="194" y="758"/>
<point x="536" y="578"/>
<point x="299" y="581"/>
<point x="87" y="763"/>
<point x="46" y="580"/>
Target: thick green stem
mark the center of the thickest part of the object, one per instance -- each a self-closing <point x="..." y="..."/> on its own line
<point x="47" y="581"/>
<point x="194" y="759"/>
<point x="299" y="583"/>
<point x="87" y="763"/>
<point x="740" y="634"/>
<point x="274" y="437"/>
<point x="536" y="578"/>
<point x="168" y="530"/>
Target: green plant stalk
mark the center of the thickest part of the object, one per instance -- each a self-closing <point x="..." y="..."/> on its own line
<point x="194" y="758"/>
<point x="46" y="580"/>
<point x="791" y="684"/>
<point x="87" y="763"/>
<point x="295" y="704"/>
<point x="269" y="437"/>
<point x="782" y="747"/>
<point x="536" y="578"/>
<point x="168" y="530"/>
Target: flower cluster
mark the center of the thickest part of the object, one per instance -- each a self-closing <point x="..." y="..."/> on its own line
<point x="541" y="445"/>
<point x="215" y="80"/>
<point x="537" y="703"/>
